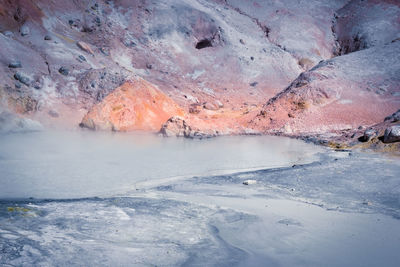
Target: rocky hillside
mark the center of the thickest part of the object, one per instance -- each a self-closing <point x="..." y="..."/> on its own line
<point x="294" y="67"/>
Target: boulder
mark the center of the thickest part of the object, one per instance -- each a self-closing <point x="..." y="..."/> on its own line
<point x="64" y="71"/>
<point x="392" y="134"/>
<point x="368" y="135"/>
<point x="175" y="126"/>
<point x="210" y="106"/>
<point x="19" y="76"/>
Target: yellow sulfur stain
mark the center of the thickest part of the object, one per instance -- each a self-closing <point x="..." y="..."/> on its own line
<point x="17" y="209"/>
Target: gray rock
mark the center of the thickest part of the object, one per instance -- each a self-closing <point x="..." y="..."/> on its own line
<point x="368" y="135"/>
<point x="22" y="78"/>
<point x="64" y="71"/>
<point x="53" y="114"/>
<point x="129" y="40"/>
<point x="253" y="84"/>
<point x="392" y="134"/>
<point x="15" y="64"/>
<point x="24" y="30"/>
<point x="48" y="38"/>
<point x="8" y="34"/>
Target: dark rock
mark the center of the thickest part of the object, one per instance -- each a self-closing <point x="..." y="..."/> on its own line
<point x="64" y="71"/>
<point x="22" y="78"/>
<point x="392" y="134"/>
<point x="81" y="58"/>
<point x="48" y="38"/>
<point x="253" y="84"/>
<point x="203" y="44"/>
<point x="15" y="64"/>
<point x="395" y="117"/>
<point x="53" y="114"/>
<point x="104" y="51"/>
<point x="38" y="84"/>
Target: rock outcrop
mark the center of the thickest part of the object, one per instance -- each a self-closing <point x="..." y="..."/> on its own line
<point x="136" y="105"/>
<point x="175" y="126"/>
<point x="392" y="134"/>
<point x="364" y="24"/>
<point x="360" y="88"/>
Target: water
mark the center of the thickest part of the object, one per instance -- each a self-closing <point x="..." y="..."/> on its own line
<point x="87" y="164"/>
<point x="101" y="199"/>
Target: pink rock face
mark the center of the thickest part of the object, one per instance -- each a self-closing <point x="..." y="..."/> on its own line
<point x="136" y="105"/>
<point x="357" y="89"/>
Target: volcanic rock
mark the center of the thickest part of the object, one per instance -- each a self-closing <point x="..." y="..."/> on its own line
<point x="336" y="95"/>
<point x="136" y="105"/>
<point x="64" y="71"/>
<point x="392" y="134"/>
<point x="176" y="126"/>
<point x="368" y="135"/>
<point x="363" y="24"/>
<point x="22" y="78"/>
<point x="15" y="64"/>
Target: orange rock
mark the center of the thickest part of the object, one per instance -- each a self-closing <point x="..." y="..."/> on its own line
<point x="136" y="105"/>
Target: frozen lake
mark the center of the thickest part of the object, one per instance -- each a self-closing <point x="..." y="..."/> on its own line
<point x="87" y="164"/>
<point x="100" y="199"/>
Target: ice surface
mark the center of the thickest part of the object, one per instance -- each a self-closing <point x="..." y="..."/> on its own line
<point x="87" y="164"/>
<point x="305" y="209"/>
